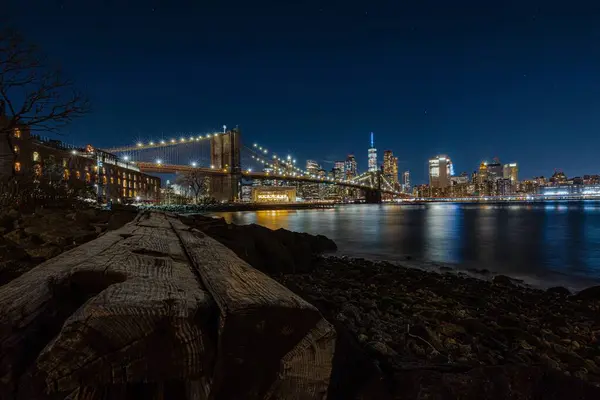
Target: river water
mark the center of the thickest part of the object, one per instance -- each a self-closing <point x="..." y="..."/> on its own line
<point x="555" y="243"/>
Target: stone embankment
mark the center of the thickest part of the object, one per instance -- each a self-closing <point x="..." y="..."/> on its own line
<point x="154" y="310"/>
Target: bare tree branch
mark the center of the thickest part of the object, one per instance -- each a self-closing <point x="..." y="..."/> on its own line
<point x="33" y="96"/>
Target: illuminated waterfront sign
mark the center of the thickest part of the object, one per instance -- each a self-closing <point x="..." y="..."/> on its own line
<point x="272" y="197"/>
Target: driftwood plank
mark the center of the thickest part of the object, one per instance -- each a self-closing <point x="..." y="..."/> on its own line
<point x="271" y="342"/>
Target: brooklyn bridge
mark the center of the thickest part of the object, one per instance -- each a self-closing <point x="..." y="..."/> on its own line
<point x="228" y="162"/>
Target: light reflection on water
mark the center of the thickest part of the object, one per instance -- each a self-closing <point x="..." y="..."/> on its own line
<point x="560" y="239"/>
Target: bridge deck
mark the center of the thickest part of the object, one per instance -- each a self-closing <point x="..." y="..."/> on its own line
<point x="158" y="309"/>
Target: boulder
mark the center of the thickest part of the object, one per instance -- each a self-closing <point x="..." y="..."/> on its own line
<point x="271" y="251"/>
<point x="591" y="293"/>
<point x="503" y="280"/>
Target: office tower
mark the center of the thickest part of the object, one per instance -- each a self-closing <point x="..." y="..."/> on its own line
<point x="312" y="167"/>
<point x="372" y="156"/>
<point x="440" y="171"/>
<point x="406" y="182"/>
<point x="511" y="171"/>
<point x="390" y="167"/>
<point x="338" y="169"/>
<point x="351" y="168"/>
<point x="495" y="169"/>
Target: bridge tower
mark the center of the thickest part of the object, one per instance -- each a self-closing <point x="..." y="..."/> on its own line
<point x="374" y="195"/>
<point x="225" y="156"/>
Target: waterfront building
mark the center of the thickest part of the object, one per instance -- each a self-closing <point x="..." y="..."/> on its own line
<point x="273" y="194"/>
<point x="570" y="190"/>
<point x="440" y="171"/>
<point x="113" y="178"/>
<point x="558" y="178"/>
<point x="372" y="154"/>
<point x="591" y="179"/>
<point x="503" y="187"/>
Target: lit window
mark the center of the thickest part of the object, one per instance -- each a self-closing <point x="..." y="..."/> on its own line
<point x="17" y="167"/>
<point x="17" y="133"/>
<point x="88" y="177"/>
<point x="16" y="149"/>
<point x="37" y="170"/>
<point x="104" y="180"/>
<point x="112" y="179"/>
<point x="66" y="175"/>
<point x="78" y="174"/>
<point x="64" y="162"/>
<point x="119" y="181"/>
<point x="36" y="156"/>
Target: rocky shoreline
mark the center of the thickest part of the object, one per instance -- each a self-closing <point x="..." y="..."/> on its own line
<point x="415" y="334"/>
<point x="403" y="333"/>
<point x="29" y="239"/>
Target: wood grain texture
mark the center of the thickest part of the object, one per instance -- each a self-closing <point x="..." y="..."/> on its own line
<point x="264" y="329"/>
<point x="156" y="311"/>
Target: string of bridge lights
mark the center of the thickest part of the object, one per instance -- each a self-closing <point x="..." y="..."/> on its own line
<point x="175" y="141"/>
<point x="289" y="161"/>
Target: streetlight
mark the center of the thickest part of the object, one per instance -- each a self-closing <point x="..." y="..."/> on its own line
<point x="194" y="164"/>
<point x="140" y="144"/>
<point x="74" y="152"/>
<point x="126" y="158"/>
<point x="159" y="161"/>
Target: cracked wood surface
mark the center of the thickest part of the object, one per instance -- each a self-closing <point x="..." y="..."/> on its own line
<point x="159" y="311"/>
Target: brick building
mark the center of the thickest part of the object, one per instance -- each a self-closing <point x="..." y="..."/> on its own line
<point x="112" y="178"/>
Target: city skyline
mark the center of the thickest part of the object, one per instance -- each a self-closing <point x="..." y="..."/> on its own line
<point x="497" y="80"/>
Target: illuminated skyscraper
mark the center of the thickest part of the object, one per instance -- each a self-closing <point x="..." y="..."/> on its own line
<point x="312" y="167"/>
<point x="406" y="182"/>
<point x="351" y="166"/>
<point x="372" y="156"/>
<point x="440" y="171"/>
<point x="339" y="169"/>
<point x="511" y="171"/>
<point x="390" y="167"/>
<point x="495" y="169"/>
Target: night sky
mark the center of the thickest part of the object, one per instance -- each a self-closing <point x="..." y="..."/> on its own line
<point x="520" y="80"/>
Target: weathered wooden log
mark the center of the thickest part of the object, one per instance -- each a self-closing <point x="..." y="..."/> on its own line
<point x="271" y="342"/>
<point x="121" y="309"/>
<point x="158" y="311"/>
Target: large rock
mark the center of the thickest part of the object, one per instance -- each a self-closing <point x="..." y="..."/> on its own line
<point x="271" y="251"/>
<point x="591" y="293"/>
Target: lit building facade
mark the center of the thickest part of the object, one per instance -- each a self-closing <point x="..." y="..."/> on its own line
<point x="390" y="167"/>
<point x="440" y="171"/>
<point x="273" y="194"/>
<point x="113" y="178"/>
<point x="372" y="156"/>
